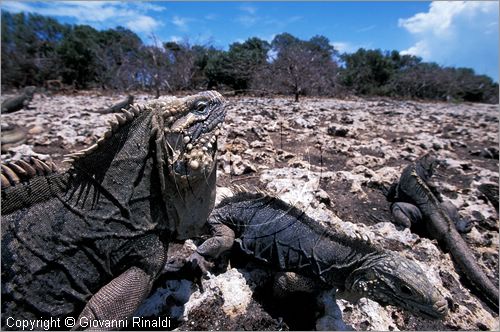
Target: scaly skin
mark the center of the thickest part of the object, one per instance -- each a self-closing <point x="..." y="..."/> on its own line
<point x="415" y="187"/>
<point x="89" y="242"/>
<point x="490" y="190"/>
<point x="285" y="238"/>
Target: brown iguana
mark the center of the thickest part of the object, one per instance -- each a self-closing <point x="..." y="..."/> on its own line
<point x="89" y="242"/>
<point x="417" y="200"/>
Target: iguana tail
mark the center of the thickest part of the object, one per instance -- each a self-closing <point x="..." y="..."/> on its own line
<point x="468" y="264"/>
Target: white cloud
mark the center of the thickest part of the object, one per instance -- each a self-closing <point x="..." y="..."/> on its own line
<point x="456" y="33"/>
<point x="151" y="6"/>
<point x="343" y="47"/>
<point x="180" y="22"/>
<point x="249" y="18"/>
<point x="437" y="20"/>
<point x="176" y="39"/>
<point x="16" y="6"/>
<point x="421" y="48"/>
<point x="100" y="14"/>
<point x="143" y="24"/>
<point x="348" y="47"/>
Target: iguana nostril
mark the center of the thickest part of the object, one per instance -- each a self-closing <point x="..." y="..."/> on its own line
<point x="441" y="307"/>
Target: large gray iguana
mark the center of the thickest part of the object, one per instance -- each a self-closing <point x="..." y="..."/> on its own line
<point x="89" y="242"/>
<point x="306" y="253"/>
<point x="416" y="200"/>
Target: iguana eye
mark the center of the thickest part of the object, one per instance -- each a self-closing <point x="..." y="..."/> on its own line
<point x="201" y="107"/>
<point x="406" y="290"/>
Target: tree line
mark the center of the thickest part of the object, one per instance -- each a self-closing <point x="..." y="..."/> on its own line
<point x="37" y="49"/>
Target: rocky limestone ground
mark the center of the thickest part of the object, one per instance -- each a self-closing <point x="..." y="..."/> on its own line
<point x="330" y="157"/>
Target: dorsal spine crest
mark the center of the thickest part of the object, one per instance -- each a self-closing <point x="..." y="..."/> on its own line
<point x="16" y="172"/>
<point x="126" y="116"/>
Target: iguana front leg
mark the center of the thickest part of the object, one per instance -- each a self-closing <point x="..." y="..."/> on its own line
<point x="461" y="224"/>
<point x="222" y="240"/>
<point x="331" y="318"/>
<point x="290" y="282"/>
<point x="119" y="298"/>
<point x="434" y="189"/>
<point x="406" y="214"/>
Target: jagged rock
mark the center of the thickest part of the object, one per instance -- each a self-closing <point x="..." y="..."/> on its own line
<point x="16" y="153"/>
<point x="277" y="142"/>
<point x="12" y="136"/>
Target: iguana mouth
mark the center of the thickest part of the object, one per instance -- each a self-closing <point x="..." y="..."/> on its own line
<point x="436" y="311"/>
<point x="192" y="138"/>
<point x="193" y="157"/>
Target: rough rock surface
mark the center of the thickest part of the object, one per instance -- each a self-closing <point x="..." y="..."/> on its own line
<point x="329" y="157"/>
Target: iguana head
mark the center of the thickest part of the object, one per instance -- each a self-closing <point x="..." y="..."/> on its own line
<point x="391" y="279"/>
<point x="426" y="165"/>
<point x="191" y="127"/>
<point x="191" y="132"/>
<point x="180" y="135"/>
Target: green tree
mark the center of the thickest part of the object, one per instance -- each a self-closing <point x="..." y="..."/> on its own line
<point x="368" y="71"/>
<point x="237" y="67"/>
<point x="202" y="56"/>
<point x="117" y="52"/>
<point x="78" y="53"/>
<point x="29" y="45"/>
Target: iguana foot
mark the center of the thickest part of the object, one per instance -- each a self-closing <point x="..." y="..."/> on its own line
<point x="198" y="263"/>
<point x="332" y="314"/>
<point x="461" y="224"/>
<point x="290" y="282"/>
<point x="406" y="214"/>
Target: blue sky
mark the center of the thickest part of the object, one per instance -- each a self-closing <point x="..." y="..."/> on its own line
<point x="455" y="33"/>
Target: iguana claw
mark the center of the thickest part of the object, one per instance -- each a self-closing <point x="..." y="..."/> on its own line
<point x="200" y="264"/>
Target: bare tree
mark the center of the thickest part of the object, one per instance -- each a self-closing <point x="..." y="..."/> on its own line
<point x="155" y="65"/>
<point x="303" y="67"/>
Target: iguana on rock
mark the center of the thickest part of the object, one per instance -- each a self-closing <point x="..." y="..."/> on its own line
<point x="417" y="200"/>
<point x="89" y="242"/>
<point x="16" y="103"/>
<point x="285" y="238"/>
<point x="125" y="103"/>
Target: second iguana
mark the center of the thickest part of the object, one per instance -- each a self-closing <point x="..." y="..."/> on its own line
<point x="306" y="253"/>
<point x="417" y="200"/>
